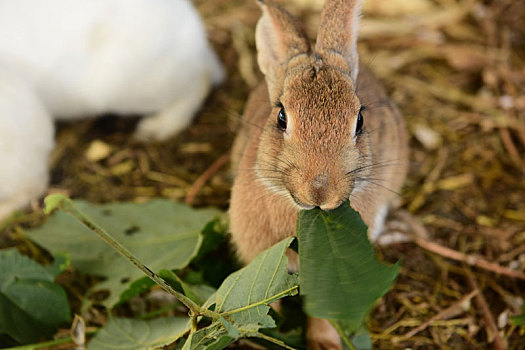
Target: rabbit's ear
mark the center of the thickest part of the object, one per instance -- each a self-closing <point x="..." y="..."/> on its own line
<point x="338" y="33"/>
<point x="279" y="37"/>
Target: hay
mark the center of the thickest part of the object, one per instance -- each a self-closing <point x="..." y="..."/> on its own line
<point x="456" y="70"/>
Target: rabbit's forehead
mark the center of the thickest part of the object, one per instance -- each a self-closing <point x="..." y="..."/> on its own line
<point x="321" y="101"/>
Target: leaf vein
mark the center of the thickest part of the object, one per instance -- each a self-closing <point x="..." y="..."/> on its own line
<point x="230" y="289"/>
<point x="253" y="284"/>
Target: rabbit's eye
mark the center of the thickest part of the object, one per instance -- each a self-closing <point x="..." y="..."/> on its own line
<point x="281" y="119"/>
<point x="359" y="124"/>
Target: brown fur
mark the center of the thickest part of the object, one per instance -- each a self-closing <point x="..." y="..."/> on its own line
<point x="317" y="161"/>
<point x="259" y="216"/>
<point x="334" y="45"/>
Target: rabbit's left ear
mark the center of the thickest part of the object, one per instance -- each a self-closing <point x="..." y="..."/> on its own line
<point x="338" y="33"/>
<point x="279" y="37"/>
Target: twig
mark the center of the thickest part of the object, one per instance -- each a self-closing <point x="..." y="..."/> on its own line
<point x="440" y="315"/>
<point x="429" y="185"/>
<point x="197" y="185"/>
<point x="449" y="253"/>
<point x="510" y="146"/>
<point x="481" y="303"/>
<point x="512" y="254"/>
<point x="468" y="259"/>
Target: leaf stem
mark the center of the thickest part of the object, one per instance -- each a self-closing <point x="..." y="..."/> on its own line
<point x="343" y="336"/>
<point x="66" y="205"/>
<point x="265" y="301"/>
<point x="47" y="343"/>
<point x="194" y="323"/>
<point x="187" y="343"/>
<point x="273" y="340"/>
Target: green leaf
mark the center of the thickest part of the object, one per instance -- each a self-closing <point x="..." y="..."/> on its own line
<point x="132" y="334"/>
<point x="233" y="331"/>
<point x="214" y="234"/>
<point x="197" y="293"/>
<point x="60" y="263"/>
<point x="31" y="304"/>
<point x="214" y="262"/>
<point x="242" y="300"/>
<point x="136" y="288"/>
<point x="244" y="296"/>
<point x="360" y="339"/>
<point x="213" y="337"/>
<point x="340" y="275"/>
<point x="201" y="291"/>
<point x="519" y="320"/>
<point x="161" y="233"/>
<point x="293" y="338"/>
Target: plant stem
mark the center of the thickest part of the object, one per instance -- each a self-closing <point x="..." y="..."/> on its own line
<point x="47" y="343"/>
<point x="187" y="343"/>
<point x="67" y="206"/>
<point x="275" y="341"/>
<point x="343" y="336"/>
<point x="194" y="323"/>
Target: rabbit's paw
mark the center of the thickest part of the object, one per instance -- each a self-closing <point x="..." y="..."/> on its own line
<point x="321" y="335"/>
<point x="152" y="129"/>
<point x="176" y="117"/>
<point x="19" y="200"/>
<point x="162" y="126"/>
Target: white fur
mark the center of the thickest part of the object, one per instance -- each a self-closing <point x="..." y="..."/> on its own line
<point x="77" y="58"/>
<point x="98" y="56"/>
<point x="26" y="139"/>
<point x="379" y="223"/>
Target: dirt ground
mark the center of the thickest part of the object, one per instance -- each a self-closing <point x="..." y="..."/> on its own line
<point x="456" y="69"/>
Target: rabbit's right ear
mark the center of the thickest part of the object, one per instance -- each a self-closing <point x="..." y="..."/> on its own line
<point x="279" y="37"/>
<point x="337" y="35"/>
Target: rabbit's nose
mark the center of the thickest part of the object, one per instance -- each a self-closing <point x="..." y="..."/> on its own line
<point x="323" y="194"/>
<point x="320" y="181"/>
<point x="319" y="189"/>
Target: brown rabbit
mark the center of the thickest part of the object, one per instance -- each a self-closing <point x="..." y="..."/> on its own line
<point x="314" y="134"/>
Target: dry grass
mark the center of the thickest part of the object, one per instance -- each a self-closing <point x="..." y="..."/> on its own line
<point x="456" y="70"/>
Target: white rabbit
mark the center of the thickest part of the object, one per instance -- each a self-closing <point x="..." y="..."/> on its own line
<point x="26" y="139"/>
<point x="70" y="59"/>
<point x="112" y="56"/>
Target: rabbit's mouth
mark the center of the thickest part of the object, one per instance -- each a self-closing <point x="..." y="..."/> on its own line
<point x="324" y="206"/>
<point x="320" y="192"/>
<point x="299" y="203"/>
<point x="330" y="206"/>
<point x="305" y="206"/>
